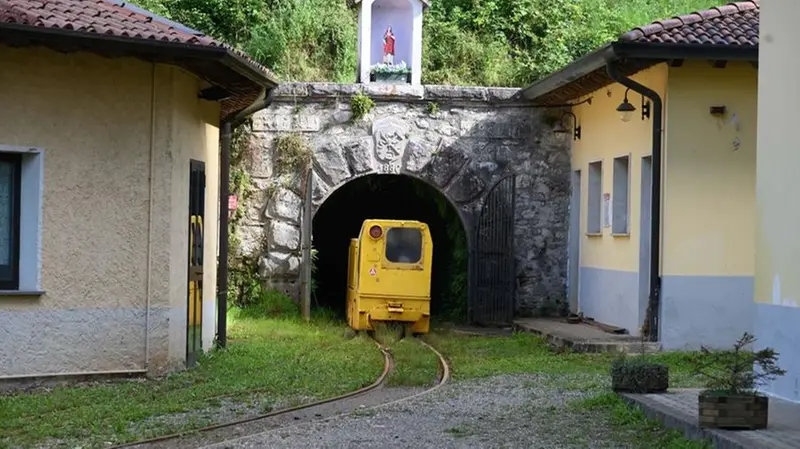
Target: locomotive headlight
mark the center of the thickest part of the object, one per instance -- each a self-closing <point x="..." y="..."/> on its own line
<point x="375" y="232"/>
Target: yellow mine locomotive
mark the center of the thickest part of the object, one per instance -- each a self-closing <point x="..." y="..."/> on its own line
<point x="389" y="275"/>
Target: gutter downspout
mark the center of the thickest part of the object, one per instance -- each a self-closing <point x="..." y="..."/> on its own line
<point x="227" y="128"/>
<point x="222" y="267"/>
<point x="149" y="281"/>
<point x="653" y="305"/>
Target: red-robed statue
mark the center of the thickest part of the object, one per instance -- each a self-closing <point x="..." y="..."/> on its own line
<point x="388" y="46"/>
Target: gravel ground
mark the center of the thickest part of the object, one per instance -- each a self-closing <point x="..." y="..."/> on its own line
<point x="496" y="412"/>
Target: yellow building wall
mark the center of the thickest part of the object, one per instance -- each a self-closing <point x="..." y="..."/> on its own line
<point x="778" y="214"/>
<point x="777" y="284"/>
<point x="603" y="137"/>
<point x="709" y="171"/>
<point x="115" y="134"/>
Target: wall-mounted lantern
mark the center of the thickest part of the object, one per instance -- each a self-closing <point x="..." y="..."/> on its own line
<point x="562" y="129"/>
<point x="626" y="109"/>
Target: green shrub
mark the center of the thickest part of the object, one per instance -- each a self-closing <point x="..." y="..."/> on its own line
<point x="636" y="375"/>
<point x="293" y="153"/>
<point x="496" y="43"/>
<point x="307" y="40"/>
<point x="271" y="303"/>
<point x="325" y="315"/>
<point x="360" y="105"/>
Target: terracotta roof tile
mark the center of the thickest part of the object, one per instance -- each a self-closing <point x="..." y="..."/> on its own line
<point x="120" y="18"/>
<point x="96" y="16"/>
<point x="106" y="17"/>
<point x="731" y="24"/>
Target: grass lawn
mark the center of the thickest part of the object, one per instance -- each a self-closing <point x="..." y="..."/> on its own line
<point x="277" y="363"/>
<point x="642" y="431"/>
<point x="415" y="365"/>
<point x="287" y="361"/>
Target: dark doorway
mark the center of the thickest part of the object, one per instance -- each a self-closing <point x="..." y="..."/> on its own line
<point x="340" y="217"/>
<point x="194" y="306"/>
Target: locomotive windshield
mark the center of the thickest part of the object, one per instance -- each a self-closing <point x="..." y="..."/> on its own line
<point x="404" y="245"/>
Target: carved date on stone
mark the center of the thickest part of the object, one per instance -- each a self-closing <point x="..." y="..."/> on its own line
<point x="390" y="168"/>
<point x="390" y="138"/>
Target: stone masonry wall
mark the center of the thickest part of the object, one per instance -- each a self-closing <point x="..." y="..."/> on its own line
<point x="461" y="140"/>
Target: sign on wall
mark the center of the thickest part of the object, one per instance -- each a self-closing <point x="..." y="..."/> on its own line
<point x="233" y="204"/>
<point x="606" y="210"/>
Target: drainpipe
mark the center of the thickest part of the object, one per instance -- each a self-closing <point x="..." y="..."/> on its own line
<point x="222" y="268"/>
<point x="227" y="128"/>
<point x="653" y="305"/>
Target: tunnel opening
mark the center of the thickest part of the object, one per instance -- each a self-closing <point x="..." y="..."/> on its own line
<point x="400" y="197"/>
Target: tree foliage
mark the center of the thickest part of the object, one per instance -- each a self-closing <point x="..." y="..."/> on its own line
<point x="475" y="42"/>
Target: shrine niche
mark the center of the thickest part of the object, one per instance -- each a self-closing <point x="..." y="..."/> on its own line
<point x="389" y="40"/>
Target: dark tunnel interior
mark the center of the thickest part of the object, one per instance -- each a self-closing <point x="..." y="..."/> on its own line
<point x="401" y="197"/>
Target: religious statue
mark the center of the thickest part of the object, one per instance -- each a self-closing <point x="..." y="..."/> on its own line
<point x="388" y="46"/>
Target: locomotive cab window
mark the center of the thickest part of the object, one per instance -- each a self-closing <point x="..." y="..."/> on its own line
<point x="403" y="245"/>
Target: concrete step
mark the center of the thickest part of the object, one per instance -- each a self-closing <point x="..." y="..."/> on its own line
<point x="582" y="337"/>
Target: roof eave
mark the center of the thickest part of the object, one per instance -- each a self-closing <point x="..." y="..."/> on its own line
<point x="245" y="68"/>
<point x="648" y="50"/>
<point x="137" y="47"/>
<point x="568" y="74"/>
<point x="635" y="50"/>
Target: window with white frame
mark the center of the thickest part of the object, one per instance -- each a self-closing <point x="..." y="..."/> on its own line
<point x="595" y="198"/>
<point x="21" y="174"/>
<point x="10" y="183"/>
<point x="620" y="202"/>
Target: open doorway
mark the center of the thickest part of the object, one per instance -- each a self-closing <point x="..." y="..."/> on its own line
<point x="403" y="197"/>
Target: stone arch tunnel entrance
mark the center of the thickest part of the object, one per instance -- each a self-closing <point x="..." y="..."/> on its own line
<point x="493" y="157"/>
<point x="339" y="219"/>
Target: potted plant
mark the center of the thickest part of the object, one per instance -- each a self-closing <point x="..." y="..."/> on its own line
<point x="390" y="73"/>
<point x="639" y="374"/>
<point x="731" y="399"/>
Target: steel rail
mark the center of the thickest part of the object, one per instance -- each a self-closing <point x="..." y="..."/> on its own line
<point x="387" y="368"/>
<point x="445" y="378"/>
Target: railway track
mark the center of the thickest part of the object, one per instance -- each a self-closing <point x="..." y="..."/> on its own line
<point x="373" y="396"/>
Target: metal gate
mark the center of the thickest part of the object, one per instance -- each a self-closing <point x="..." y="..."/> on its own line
<point x="492" y="267"/>
<point x="194" y="309"/>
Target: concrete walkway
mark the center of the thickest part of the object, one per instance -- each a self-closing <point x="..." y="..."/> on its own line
<point x="678" y="409"/>
<point x="582" y="337"/>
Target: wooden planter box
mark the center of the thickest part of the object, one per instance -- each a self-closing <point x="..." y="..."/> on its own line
<point x="733" y="412"/>
<point x="641" y="378"/>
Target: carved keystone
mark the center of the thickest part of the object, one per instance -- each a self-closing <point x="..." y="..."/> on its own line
<point x="390" y="136"/>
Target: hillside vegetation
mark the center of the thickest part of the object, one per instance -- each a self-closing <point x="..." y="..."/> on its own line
<point x="466" y="42"/>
